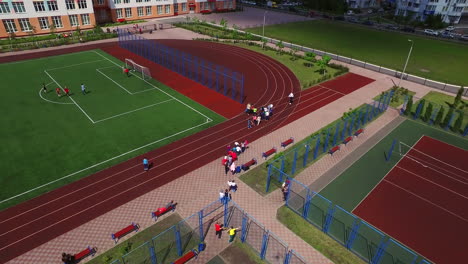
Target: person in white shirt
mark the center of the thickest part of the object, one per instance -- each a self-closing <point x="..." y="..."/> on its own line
<point x="291" y="98"/>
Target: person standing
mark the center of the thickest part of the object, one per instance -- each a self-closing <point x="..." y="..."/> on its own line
<point x="219" y="229"/>
<point x="127" y="71"/>
<point x="44" y="88"/>
<point x="226" y="167"/>
<point x="291" y="98"/>
<point x="83" y="89"/>
<point x="232" y="233"/>
<point x="57" y="91"/>
<point x="249" y="124"/>
<point x="145" y="164"/>
<point x="67" y="91"/>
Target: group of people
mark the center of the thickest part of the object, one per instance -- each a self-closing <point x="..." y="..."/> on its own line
<point x="258" y="114"/>
<point x="68" y="258"/>
<point x="219" y="228"/>
<point x="226" y="194"/>
<point x="232" y="152"/>
<point x="66" y="90"/>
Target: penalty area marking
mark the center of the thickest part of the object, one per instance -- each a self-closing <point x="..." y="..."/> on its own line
<point x="47" y="100"/>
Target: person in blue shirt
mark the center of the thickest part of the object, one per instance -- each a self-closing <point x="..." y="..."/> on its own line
<point x="145" y="164"/>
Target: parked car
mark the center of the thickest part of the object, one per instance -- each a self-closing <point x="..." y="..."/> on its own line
<point x="350" y="12"/>
<point x="353" y="20"/>
<point x="464" y="37"/>
<point x="368" y="23"/>
<point x="450" y="28"/>
<point x="447" y="34"/>
<point x="408" y="29"/>
<point x="370" y="11"/>
<point x="393" y="27"/>
<point x="431" y="32"/>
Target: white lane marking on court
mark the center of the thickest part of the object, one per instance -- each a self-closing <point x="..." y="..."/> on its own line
<point x="97" y="164"/>
<point x="79" y="107"/>
<point x="47" y="58"/>
<point x="138" y="109"/>
<point x="118" y="84"/>
<point x="73" y="65"/>
<point x="157" y="88"/>
<point x="40" y="94"/>
<point x="49" y="83"/>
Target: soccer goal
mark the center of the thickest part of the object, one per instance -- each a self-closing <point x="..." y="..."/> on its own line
<point x="133" y="66"/>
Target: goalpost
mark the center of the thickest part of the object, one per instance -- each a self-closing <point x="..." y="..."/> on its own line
<point x="131" y="65"/>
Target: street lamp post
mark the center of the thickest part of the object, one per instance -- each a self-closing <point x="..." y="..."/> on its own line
<point x="264" y="17"/>
<point x="406" y="63"/>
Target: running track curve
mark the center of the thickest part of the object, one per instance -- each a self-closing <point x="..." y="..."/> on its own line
<point x="32" y="223"/>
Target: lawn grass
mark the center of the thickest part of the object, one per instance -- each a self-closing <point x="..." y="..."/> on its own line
<point x="440" y="60"/>
<point x="256" y="178"/>
<point x="348" y="189"/>
<point x="215" y="31"/>
<point x="239" y="252"/>
<point x="307" y="76"/>
<point x="316" y="238"/>
<point x="398" y="97"/>
<point x="141" y="253"/>
<point x="47" y="137"/>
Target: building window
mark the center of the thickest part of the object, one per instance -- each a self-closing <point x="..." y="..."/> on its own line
<point x="149" y="11"/>
<point x="82" y="4"/>
<point x="139" y="1"/>
<point x="85" y="19"/>
<point x="44" y="22"/>
<point x="24" y="24"/>
<point x="117" y="1"/>
<point x="4" y="8"/>
<point x="70" y="4"/>
<point x="160" y="9"/>
<point x="19" y="7"/>
<point x="140" y="11"/>
<point x="39" y="6"/>
<point x="168" y="9"/>
<point x="57" y="20"/>
<point x="184" y="6"/>
<point x="52" y="5"/>
<point x="10" y="25"/>
<point x="128" y="12"/>
<point x="73" y="20"/>
<point x="119" y="13"/>
<point x="100" y="2"/>
<point x="126" y="1"/>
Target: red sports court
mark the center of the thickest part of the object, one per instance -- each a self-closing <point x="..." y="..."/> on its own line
<point x="423" y="201"/>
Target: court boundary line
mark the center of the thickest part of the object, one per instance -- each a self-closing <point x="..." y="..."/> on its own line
<point x="47" y="100"/>
<point x="129" y="92"/>
<point x="72" y="65"/>
<point x="388" y="172"/>
<point x="105" y="161"/>
<point x="131" y="111"/>
<point x="440" y="130"/>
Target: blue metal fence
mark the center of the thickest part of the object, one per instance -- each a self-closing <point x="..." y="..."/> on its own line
<point x="216" y="77"/>
<point x="356" y="235"/>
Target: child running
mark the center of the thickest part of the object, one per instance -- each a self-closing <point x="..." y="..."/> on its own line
<point x="44" y="88"/>
<point x="57" y="91"/>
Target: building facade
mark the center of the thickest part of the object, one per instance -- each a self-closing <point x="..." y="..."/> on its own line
<point x="29" y="17"/>
<point x="450" y="10"/>
<point x="363" y="3"/>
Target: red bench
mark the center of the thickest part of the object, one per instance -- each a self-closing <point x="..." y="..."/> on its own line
<point x="360" y="131"/>
<point x="347" y="140"/>
<point x="268" y="153"/>
<point x="247" y="165"/>
<point x="163" y="210"/>
<point x="284" y="144"/>
<point x="334" y="149"/>
<point x="123" y="232"/>
<point x="88" y="251"/>
<point x="185" y="258"/>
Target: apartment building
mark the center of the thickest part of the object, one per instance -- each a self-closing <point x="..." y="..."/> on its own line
<point x="451" y="10"/>
<point x="26" y="17"/>
<point x="22" y="18"/>
<point x="363" y="3"/>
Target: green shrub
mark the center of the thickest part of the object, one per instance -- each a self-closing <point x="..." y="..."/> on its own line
<point x="447" y="117"/>
<point x="409" y="106"/>
<point x="439" y="116"/>
<point x="457" y="126"/>
<point x="428" y="114"/>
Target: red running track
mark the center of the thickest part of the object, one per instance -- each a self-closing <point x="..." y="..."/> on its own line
<point x="32" y="223"/>
<point x="423" y="202"/>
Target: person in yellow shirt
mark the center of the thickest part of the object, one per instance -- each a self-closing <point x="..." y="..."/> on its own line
<point x="232" y="233"/>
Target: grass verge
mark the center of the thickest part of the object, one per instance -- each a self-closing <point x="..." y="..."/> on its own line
<point x="398" y="97"/>
<point x="316" y="238"/>
<point x="239" y="252"/>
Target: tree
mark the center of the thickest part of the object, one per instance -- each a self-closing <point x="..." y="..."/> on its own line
<point x="294" y="51"/>
<point x="447" y="117"/>
<point x="428" y="114"/>
<point x="457" y="126"/>
<point x="323" y="63"/>
<point x="264" y="42"/>
<point x="280" y="47"/>
<point x="409" y="106"/>
<point x="421" y="107"/>
<point x="439" y="116"/>
<point x="310" y="57"/>
<point x="458" y="100"/>
<point x="223" y="23"/>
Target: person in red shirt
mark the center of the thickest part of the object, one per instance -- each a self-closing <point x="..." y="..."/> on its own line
<point x="67" y="91"/>
<point x="126" y="71"/>
<point x="219" y="229"/>
<point x="57" y="90"/>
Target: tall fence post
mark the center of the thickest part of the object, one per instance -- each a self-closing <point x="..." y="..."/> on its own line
<point x="306" y="154"/>
<point x="390" y="151"/>
<point x="358" y="123"/>
<point x="344" y="129"/>
<point x="466" y="131"/>
<point x="224" y="78"/>
<point x="328" y="219"/>
<point x="418" y="111"/>
<point x="317" y="145"/>
<point x="353" y="233"/>
<point x="293" y="168"/>
<point x="241" y="89"/>
<point x="178" y="241"/>
<point x="327" y="138"/>
<point x="450" y="121"/>
<point x="244" y="228"/>
<point x="268" y="178"/>
<point x="287" y="258"/>
<point x="351" y="125"/>
<point x="200" y="223"/>
<point x="433" y="116"/>
<point x="264" y="245"/>
<point x="226" y="210"/>
<point x="337" y="131"/>
<point x="152" y="254"/>
<point x="282" y="169"/>
<point x="305" y="213"/>
<point x="380" y="101"/>
<point x="364" y="121"/>
<point x="383" y="245"/>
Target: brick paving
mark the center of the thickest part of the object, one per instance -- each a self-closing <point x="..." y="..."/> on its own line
<point x="200" y="187"/>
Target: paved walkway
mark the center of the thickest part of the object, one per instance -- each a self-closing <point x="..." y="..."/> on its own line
<point x="200" y="187"/>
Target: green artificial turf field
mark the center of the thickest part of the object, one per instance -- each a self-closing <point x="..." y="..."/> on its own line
<point x="434" y="59"/>
<point x="49" y="138"/>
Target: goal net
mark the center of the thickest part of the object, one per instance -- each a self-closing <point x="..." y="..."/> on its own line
<point x="144" y="71"/>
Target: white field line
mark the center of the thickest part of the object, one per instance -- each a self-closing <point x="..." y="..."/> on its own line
<point x="118" y="84"/>
<point x="157" y="88"/>
<point x="92" y="121"/>
<point x="73" y="65"/>
<point x="40" y="94"/>
<point x="440" y="171"/>
<point x="49" y="83"/>
<point x="428" y="201"/>
<point x="396" y="164"/>
<point x="138" y="109"/>
<point x="100" y="163"/>
<point x="46" y="58"/>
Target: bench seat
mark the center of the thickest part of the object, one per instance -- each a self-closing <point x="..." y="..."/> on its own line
<point x="334" y="149"/>
<point x="284" y="144"/>
<point x="268" y="153"/>
<point x="185" y="258"/>
<point x="124" y="231"/>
